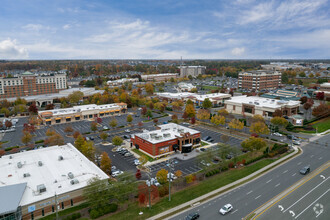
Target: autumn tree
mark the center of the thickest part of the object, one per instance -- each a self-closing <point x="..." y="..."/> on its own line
<point x="68" y="129"/>
<point x="174" y="117"/>
<point x="143" y="111"/>
<point x="138" y="174"/>
<point x="207" y="103"/>
<point x="321" y="110"/>
<point x="105" y="163"/>
<point x="113" y="123"/>
<point x="50" y="132"/>
<point x="117" y="141"/>
<point x="259" y="128"/>
<point x="178" y="173"/>
<point x="76" y="134"/>
<point x="88" y="150"/>
<point x="55" y="139"/>
<point x="236" y="124"/>
<point x="140" y="124"/>
<point x="277" y="113"/>
<point x="103" y="136"/>
<point x="155" y="121"/>
<point x="303" y="99"/>
<point x="75" y="97"/>
<point x="162" y="176"/>
<point x="190" y="110"/>
<point x="8" y="124"/>
<point x="319" y="95"/>
<point x="218" y="120"/>
<point x="258" y="118"/>
<point x="203" y="114"/>
<point x="129" y="118"/>
<point x="33" y="108"/>
<point x="149" y="88"/>
<point x="26" y="138"/>
<point x="223" y="112"/>
<point x="78" y="143"/>
<point x="93" y="126"/>
<point x="253" y="143"/>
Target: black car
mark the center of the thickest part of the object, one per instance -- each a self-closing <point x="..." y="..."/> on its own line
<point x="192" y="216"/>
<point x="305" y="170"/>
<point x="91" y="138"/>
<point x="127" y="136"/>
<point x="207" y="138"/>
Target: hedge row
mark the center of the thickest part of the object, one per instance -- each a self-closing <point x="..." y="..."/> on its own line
<point x="10" y="148"/>
<point x="255" y="159"/>
<point x="95" y="213"/>
<point x="212" y="172"/>
<point x="74" y="216"/>
<point x="39" y="142"/>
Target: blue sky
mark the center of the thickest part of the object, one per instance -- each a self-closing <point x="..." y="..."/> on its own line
<point x="164" y="29"/>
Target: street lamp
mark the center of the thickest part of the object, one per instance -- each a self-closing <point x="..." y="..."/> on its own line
<point x="170" y="177"/>
<point x="149" y="183"/>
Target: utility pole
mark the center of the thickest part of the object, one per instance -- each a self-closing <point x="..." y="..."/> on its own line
<point x="149" y="184"/>
<point x="171" y="168"/>
<point x="56" y="206"/>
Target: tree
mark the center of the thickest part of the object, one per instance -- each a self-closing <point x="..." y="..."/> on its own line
<point x="207" y="103"/>
<point x="105" y="163"/>
<point x="33" y="108"/>
<point x="311" y="75"/>
<point x="307" y="106"/>
<point x="103" y="136"/>
<point x="2" y="152"/>
<point x="78" y="143"/>
<point x="253" y="143"/>
<point x="55" y="139"/>
<point x="203" y="114"/>
<point x="189" y="178"/>
<point x="98" y="120"/>
<point x="162" y="176"/>
<point x="97" y="193"/>
<point x="320" y="95"/>
<point x="26" y="138"/>
<point x="193" y="120"/>
<point x="138" y="174"/>
<point x="144" y="111"/>
<point x="155" y="121"/>
<point x="321" y="110"/>
<point x="236" y="124"/>
<point x="68" y="129"/>
<point x="194" y="90"/>
<point x="149" y="88"/>
<point x="75" y="97"/>
<point x="117" y="140"/>
<point x="88" y="150"/>
<point x="178" y="173"/>
<point x="218" y="120"/>
<point x="50" y="106"/>
<point x="174" y="117"/>
<point x="277" y="113"/>
<point x="113" y="123"/>
<point x="8" y="124"/>
<point x="302" y="74"/>
<point x="149" y="113"/>
<point x="279" y="121"/>
<point x="93" y="126"/>
<point x="76" y="134"/>
<point x="259" y="128"/>
<point x="258" y="118"/>
<point x="185" y="115"/>
<point x="224" y="138"/>
<point x="303" y="100"/>
<point x="140" y="124"/>
<point x="129" y="118"/>
<point x="223" y="112"/>
<point x="190" y="110"/>
<point x="50" y="132"/>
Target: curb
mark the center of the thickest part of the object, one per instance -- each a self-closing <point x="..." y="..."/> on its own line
<point x="235" y="184"/>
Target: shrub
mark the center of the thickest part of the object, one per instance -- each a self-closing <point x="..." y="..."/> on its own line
<point x="10" y="148"/>
<point x="231" y="165"/>
<point x="94" y="214"/>
<point x="38" y="142"/>
<point x="163" y="190"/>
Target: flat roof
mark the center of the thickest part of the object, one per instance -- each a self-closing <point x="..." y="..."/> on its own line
<point x="262" y="102"/>
<point x="12" y="197"/>
<point x="160" y="74"/>
<point x="53" y="173"/>
<point x="166" y="132"/>
<point x="199" y="97"/>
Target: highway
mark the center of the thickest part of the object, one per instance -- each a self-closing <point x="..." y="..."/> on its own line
<point x="249" y="197"/>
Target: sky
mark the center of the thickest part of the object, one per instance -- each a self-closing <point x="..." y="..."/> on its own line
<point x="165" y="29"/>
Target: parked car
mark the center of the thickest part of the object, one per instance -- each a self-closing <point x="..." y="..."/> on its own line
<point x="105" y="128"/>
<point x="225" y="209"/>
<point x="123" y="152"/>
<point x="127" y="136"/>
<point x="295" y="142"/>
<point x="137" y="162"/>
<point x="205" y="164"/>
<point x="119" y="149"/>
<point x="128" y="154"/>
<point x="172" y="176"/>
<point x="91" y="138"/>
<point x="192" y="216"/>
<point x="202" y="149"/>
<point x="127" y="131"/>
<point x="117" y="173"/>
<point x="136" y="115"/>
<point x="278" y="134"/>
<point x="155" y="182"/>
<point x="305" y="170"/>
<point x="206" y="138"/>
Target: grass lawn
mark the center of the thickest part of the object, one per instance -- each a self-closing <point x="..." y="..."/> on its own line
<point x="142" y="154"/>
<point x="322" y="125"/>
<point x="203" y="143"/>
<point x="190" y="193"/>
<point x="211" y="87"/>
<point x="66" y="211"/>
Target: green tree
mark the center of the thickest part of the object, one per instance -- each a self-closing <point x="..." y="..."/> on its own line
<point x="149" y="113"/>
<point x="279" y="121"/>
<point x="104" y="136"/>
<point x="259" y="128"/>
<point x="117" y="140"/>
<point x="113" y="123"/>
<point x="75" y="97"/>
<point x="149" y="88"/>
<point x="105" y="163"/>
<point x="97" y="193"/>
<point x="162" y="176"/>
<point x="26" y="138"/>
<point x="207" y="103"/>
<point x="79" y="142"/>
<point x="253" y="144"/>
<point x="88" y="150"/>
<point x="129" y="118"/>
<point x="93" y="126"/>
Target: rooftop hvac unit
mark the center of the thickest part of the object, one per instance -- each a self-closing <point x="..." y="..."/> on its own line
<point x="70" y="175"/>
<point x="10" y="157"/>
<point x="26" y="175"/>
<point x="19" y="165"/>
<point x="41" y="188"/>
<point x="74" y="181"/>
<point x="40" y="163"/>
<point x="60" y="157"/>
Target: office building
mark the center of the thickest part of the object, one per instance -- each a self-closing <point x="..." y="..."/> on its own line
<point x="159" y="77"/>
<point x="194" y="71"/>
<point x="259" y="80"/>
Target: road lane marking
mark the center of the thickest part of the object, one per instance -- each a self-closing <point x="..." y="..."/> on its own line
<point x="234" y="211"/>
<point x="306" y="194"/>
<point x="312" y="203"/>
<point x="320" y="158"/>
<point x="294" y="174"/>
<point x="269" y="181"/>
<point x="249" y="192"/>
<point x="285" y="171"/>
<point x="277" y="184"/>
<point x="299" y="163"/>
<point x="257" y="197"/>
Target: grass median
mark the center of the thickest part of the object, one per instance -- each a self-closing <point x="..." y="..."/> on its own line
<point x="191" y="192"/>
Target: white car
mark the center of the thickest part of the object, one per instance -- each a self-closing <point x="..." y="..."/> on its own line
<point x="127" y="130"/>
<point x="137" y="162"/>
<point x="296" y="142"/>
<point x="155" y="182"/>
<point x="278" y="134"/>
<point x="172" y="176"/>
<point x="117" y="173"/>
<point x="119" y="149"/>
<point x="225" y="209"/>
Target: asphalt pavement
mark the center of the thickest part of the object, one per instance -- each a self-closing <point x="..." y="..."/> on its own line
<point x="247" y="198"/>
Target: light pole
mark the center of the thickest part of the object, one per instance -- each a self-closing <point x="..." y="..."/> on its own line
<point x="169" y="177"/>
<point x="148" y="182"/>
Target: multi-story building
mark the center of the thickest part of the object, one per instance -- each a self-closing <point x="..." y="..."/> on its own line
<point x="185" y="87"/>
<point x="81" y="112"/>
<point x="159" y="77"/>
<point x="193" y="71"/>
<point x="32" y="181"/>
<point x="259" y="80"/>
<point x="324" y="87"/>
<point x="27" y="84"/>
<point x="168" y="138"/>
<point x="254" y="105"/>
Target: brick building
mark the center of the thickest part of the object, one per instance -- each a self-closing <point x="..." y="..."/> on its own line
<point x="30" y="180"/>
<point x="166" y="139"/>
<point x="27" y="84"/>
<point x="159" y="77"/>
<point x="259" y="79"/>
<point x="193" y="71"/>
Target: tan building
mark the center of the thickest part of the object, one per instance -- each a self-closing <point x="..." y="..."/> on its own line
<point x="193" y="71"/>
<point x="31" y="180"/>
<point x="253" y="105"/>
<point x="159" y="77"/>
<point x="259" y="79"/>
<point x="82" y="112"/>
<point x="28" y="84"/>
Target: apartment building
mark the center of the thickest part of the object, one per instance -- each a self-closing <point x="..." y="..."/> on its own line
<point x="28" y="84"/>
<point x="259" y="79"/>
<point x="159" y="77"/>
<point x="82" y="112"/>
<point x="193" y="71"/>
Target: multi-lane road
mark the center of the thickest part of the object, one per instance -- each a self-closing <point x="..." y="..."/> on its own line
<point x="251" y="196"/>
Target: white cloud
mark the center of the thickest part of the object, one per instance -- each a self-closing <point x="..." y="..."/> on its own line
<point x="238" y="51"/>
<point x="10" y="50"/>
<point x="67" y="26"/>
<point x="35" y="27"/>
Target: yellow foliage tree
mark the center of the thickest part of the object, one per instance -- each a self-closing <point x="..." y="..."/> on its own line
<point x="259" y="128"/>
<point x="218" y="120"/>
<point x="162" y="176"/>
<point x="236" y="124"/>
<point x="203" y="114"/>
<point x="190" y="110"/>
<point x="105" y="163"/>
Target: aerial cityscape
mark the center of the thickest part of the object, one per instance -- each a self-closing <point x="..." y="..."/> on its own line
<point x="175" y="110"/>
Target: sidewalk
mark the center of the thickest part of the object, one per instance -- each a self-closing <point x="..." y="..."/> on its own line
<point x="203" y="199"/>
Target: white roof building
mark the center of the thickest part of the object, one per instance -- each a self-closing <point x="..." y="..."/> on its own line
<point x="186" y="87"/>
<point x="122" y="81"/>
<point x="56" y="169"/>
